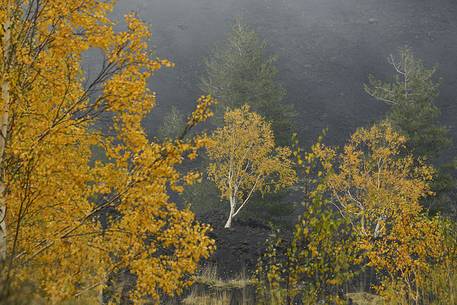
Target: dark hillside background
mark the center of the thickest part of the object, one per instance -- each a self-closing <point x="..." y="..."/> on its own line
<point x="325" y="49"/>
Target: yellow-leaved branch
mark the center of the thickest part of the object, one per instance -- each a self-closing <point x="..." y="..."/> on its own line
<point x="83" y="192"/>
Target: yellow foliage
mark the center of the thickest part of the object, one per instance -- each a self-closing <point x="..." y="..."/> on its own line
<point x="52" y="188"/>
<point x="319" y="258"/>
<point x="378" y="186"/>
<point x="245" y="159"/>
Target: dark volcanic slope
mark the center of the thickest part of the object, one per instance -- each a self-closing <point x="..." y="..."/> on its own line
<point x="326" y="50"/>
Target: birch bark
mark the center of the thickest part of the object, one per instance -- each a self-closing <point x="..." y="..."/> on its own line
<point x="6" y="101"/>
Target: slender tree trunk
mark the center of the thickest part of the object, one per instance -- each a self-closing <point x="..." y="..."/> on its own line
<point x="5" y="85"/>
<point x="4" y="128"/>
<point x="101" y="299"/>
<point x="228" y="224"/>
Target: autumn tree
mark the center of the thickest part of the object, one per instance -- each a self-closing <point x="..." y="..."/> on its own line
<point x="240" y="72"/>
<point x="319" y="258"/>
<point x="377" y="186"/>
<point x="438" y="288"/>
<point x="52" y="191"/>
<point x="313" y="265"/>
<point x="245" y="159"/>
<point x="411" y="95"/>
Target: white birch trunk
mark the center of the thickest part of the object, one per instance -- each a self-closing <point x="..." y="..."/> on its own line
<point x="228" y="224"/>
<point x="5" y="85"/>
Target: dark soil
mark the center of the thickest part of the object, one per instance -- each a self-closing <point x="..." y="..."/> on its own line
<point x="238" y="247"/>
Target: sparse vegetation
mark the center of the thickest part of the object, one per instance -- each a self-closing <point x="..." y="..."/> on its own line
<point x="210" y="289"/>
<point x="363" y="298"/>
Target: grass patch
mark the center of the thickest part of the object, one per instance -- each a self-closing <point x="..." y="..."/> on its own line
<point x="210" y="289"/>
<point x="363" y="298"/>
<point x="209" y="277"/>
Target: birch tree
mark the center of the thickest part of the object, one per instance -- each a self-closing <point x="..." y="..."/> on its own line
<point x="377" y="186"/>
<point x="53" y="192"/>
<point x="245" y="159"/>
<point x="4" y="119"/>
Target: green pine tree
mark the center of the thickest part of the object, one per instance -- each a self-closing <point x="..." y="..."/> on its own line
<point x="411" y="95"/>
<point x="239" y="72"/>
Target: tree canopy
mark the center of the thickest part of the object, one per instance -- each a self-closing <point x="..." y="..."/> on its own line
<point x="377" y="186"/>
<point x="239" y="72"/>
<point x="52" y="191"/>
<point x="411" y="95"/>
<point x="245" y="159"/>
